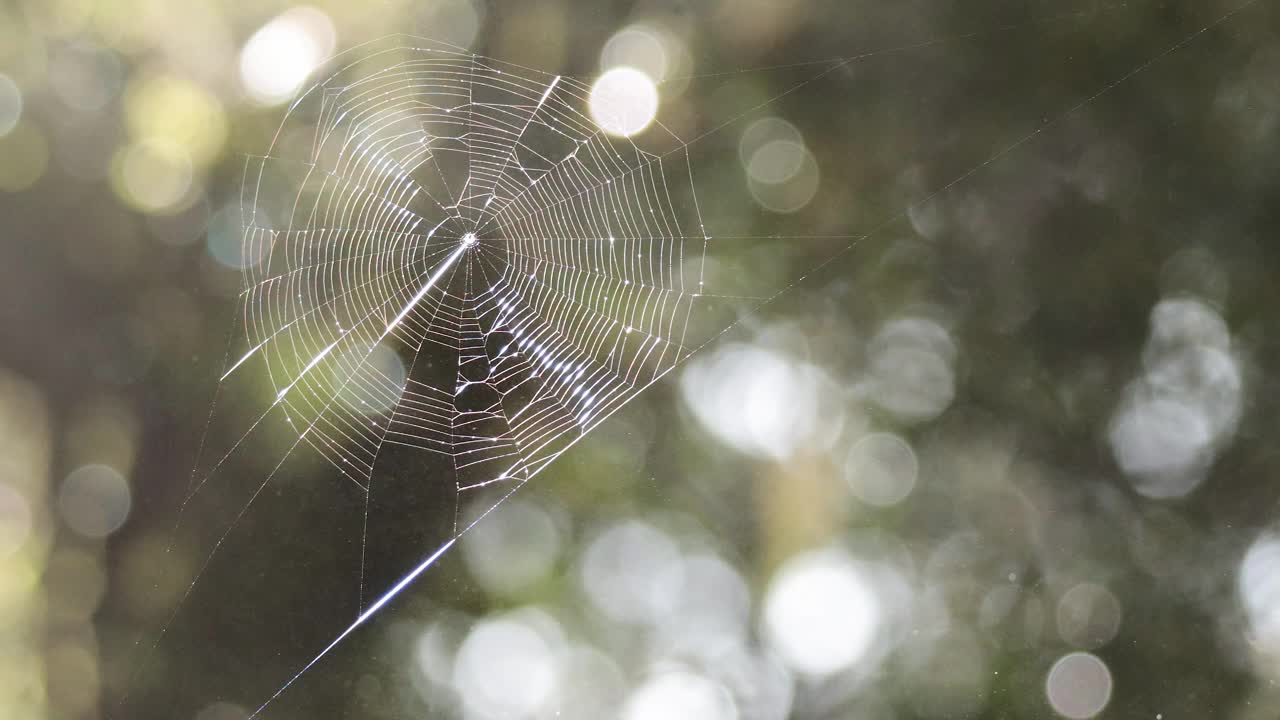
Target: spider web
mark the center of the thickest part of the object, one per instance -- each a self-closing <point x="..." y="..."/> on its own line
<point x="450" y="207"/>
<point x="446" y="256"/>
<point x="459" y="261"/>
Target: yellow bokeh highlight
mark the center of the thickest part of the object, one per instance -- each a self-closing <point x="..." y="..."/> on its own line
<point x="24" y="156"/>
<point x="152" y="176"/>
<point x="170" y="109"/>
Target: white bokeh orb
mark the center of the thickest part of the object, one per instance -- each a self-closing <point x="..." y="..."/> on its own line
<point x="1079" y="686"/>
<point x="279" y="57"/>
<point x="505" y="668"/>
<point x="624" y="101"/>
<point x="1259" y="586"/>
<point x="680" y="695"/>
<point x="821" y="613"/>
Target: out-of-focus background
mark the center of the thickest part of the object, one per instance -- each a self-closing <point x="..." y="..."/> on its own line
<point x="1009" y="456"/>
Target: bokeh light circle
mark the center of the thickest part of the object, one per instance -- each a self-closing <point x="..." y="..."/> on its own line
<point x="505" y="668"/>
<point x="279" y="57"/>
<point x="624" y="101"/>
<point x="619" y="567"/>
<point x="764" y="131"/>
<point x="777" y="161"/>
<point x="881" y="469"/>
<point x="680" y="695"/>
<point x="1259" y="587"/>
<point x="1079" y="686"/>
<point x="910" y="369"/>
<point x="1088" y="615"/>
<point x="760" y="401"/>
<point x="796" y="172"/>
<point x="94" y="500"/>
<point x="174" y="110"/>
<point x="224" y="241"/>
<point x="153" y="175"/>
<point x="514" y="548"/>
<point x="821" y="613"/>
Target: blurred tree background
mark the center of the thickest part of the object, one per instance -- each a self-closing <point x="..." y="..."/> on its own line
<point x="999" y="450"/>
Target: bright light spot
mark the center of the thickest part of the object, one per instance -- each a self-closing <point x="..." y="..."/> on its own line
<point x="1088" y="616"/>
<point x="94" y="500"/>
<point x="680" y="695"/>
<point x="10" y="104"/>
<point x="1185" y="321"/>
<point x="505" y="668"/>
<point x="619" y="569"/>
<point x="881" y="469"/>
<point x="15" y="520"/>
<point x="1174" y="417"/>
<point x="371" y="383"/>
<point x="759" y="401"/>
<point x="515" y="548"/>
<point x="638" y="46"/>
<point x="153" y="175"/>
<point x="1165" y="440"/>
<point x="624" y="101"/>
<point x="821" y="613"/>
<point x="1259" y="588"/>
<point x="281" y="54"/>
<point x="1078" y="686"/>
<point x="1206" y="377"/>
<point x="469" y="239"/>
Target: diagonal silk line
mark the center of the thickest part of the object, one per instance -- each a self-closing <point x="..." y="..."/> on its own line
<point x="422" y="292"/>
<point x="467" y="242"/>
<point x="387" y="597"/>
